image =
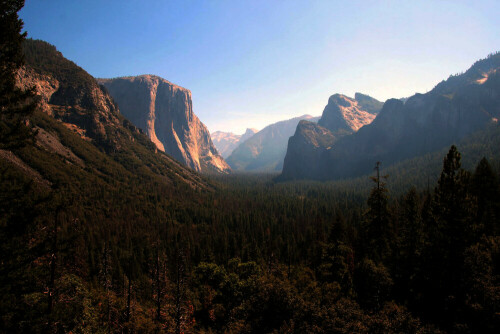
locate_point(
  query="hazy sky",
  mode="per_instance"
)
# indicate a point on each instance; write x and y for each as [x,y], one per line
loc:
[252,63]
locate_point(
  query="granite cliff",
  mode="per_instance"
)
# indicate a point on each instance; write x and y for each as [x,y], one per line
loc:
[345,113]
[309,145]
[423,123]
[265,150]
[164,111]
[79,125]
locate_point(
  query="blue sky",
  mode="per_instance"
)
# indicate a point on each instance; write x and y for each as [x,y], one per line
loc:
[252,63]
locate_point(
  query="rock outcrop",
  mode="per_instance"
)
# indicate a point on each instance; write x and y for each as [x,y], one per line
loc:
[226,142]
[345,113]
[402,130]
[164,112]
[310,144]
[265,151]
[70,95]
[98,133]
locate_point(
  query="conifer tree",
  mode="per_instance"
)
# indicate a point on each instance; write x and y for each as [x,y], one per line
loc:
[15,105]
[378,218]
[411,243]
[452,209]
[452,202]
[486,190]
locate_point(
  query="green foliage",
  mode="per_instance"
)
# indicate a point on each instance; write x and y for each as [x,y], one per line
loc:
[15,105]
[482,282]
[373,283]
[45,59]
[485,187]
[377,224]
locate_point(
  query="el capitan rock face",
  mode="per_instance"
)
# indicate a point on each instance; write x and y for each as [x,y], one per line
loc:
[79,122]
[227,142]
[422,124]
[164,112]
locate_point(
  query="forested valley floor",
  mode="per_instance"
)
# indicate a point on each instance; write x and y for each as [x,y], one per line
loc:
[252,256]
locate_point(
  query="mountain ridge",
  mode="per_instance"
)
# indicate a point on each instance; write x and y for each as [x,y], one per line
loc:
[341,117]
[80,125]
[265,150]
[227,142]
[422,124]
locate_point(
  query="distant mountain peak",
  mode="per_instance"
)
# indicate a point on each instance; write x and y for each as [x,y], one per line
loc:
[368,103]
[227,142]
[266,149]
[343,112]
[403,129]
[250,131]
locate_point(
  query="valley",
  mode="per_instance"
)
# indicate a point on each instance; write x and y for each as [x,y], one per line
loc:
[121,213]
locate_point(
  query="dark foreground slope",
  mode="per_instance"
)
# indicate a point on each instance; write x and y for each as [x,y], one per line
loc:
[425,123]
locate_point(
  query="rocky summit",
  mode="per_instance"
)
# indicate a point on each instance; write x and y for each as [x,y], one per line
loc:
[402,130]
[311,142]
[349,114]
[164,111]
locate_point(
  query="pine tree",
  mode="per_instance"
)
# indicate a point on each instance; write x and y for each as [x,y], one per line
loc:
[378,218]
[486,190]
[18,202]
[452,203]
[338,257]
[453,213]
[411,239]
[15,105]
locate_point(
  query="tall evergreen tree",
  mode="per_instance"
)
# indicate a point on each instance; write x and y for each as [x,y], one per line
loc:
[486,190]
[411,240]
[452,210]
[17,199]
[377,222]
[15,105]
[453,203]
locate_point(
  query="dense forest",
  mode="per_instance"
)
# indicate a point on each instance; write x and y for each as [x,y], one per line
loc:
[114,248]
[254,257]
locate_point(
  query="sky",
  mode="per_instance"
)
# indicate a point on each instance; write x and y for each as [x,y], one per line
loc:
[252,63]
